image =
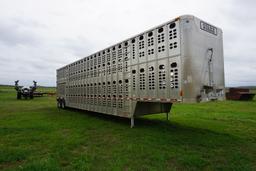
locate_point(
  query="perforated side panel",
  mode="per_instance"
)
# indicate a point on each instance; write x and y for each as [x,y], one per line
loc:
[173,38]
[141,41]
[145,67]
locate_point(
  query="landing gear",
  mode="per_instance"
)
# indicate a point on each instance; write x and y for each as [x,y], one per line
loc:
[132,122]
[167,116]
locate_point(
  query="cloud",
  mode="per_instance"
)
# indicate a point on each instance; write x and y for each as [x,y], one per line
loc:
[78,46]
[37,37]
[13,34]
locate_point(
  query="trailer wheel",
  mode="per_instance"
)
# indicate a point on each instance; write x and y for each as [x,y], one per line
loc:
[63,104]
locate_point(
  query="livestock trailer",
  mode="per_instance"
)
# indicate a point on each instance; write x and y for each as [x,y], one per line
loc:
[178,61]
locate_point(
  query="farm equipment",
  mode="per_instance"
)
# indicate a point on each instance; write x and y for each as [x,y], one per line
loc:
[25,92]
[239,94]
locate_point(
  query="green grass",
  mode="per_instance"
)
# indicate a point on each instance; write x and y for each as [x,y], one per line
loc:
[35,135]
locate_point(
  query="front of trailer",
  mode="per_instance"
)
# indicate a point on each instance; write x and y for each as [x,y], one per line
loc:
[157,75]
[202,60]
[192,70]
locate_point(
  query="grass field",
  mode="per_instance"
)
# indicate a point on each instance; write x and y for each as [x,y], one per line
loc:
[35,135]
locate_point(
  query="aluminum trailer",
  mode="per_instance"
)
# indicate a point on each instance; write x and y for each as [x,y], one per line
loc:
[178,61]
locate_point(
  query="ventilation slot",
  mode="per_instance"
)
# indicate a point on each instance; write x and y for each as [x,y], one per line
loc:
[134,79]
[120,87]
[104,100]
[151,78]
[150,39]
[99,59]
[99,89]
[160,38]
[114,101]
[95,93]
[113,67]
[114,87]
[150,51]
[109,101]
[126,88]
[108,68]
[109,88]
[174,76]
[161,48]
[133,48]
[173,31]
[120,55]
[141,45]
[126,59]
[99,100]
[173,45]
[103,69]
[95,99]
[103,88]
[142,79]
[108,55]
[141,54]
[120,101]
[162,77]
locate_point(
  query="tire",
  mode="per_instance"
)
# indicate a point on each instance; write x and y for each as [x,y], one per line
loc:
[63,104]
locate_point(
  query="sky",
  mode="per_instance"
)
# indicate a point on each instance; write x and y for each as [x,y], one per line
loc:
[37,37]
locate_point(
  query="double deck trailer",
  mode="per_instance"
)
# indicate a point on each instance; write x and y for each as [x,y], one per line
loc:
[176,62]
